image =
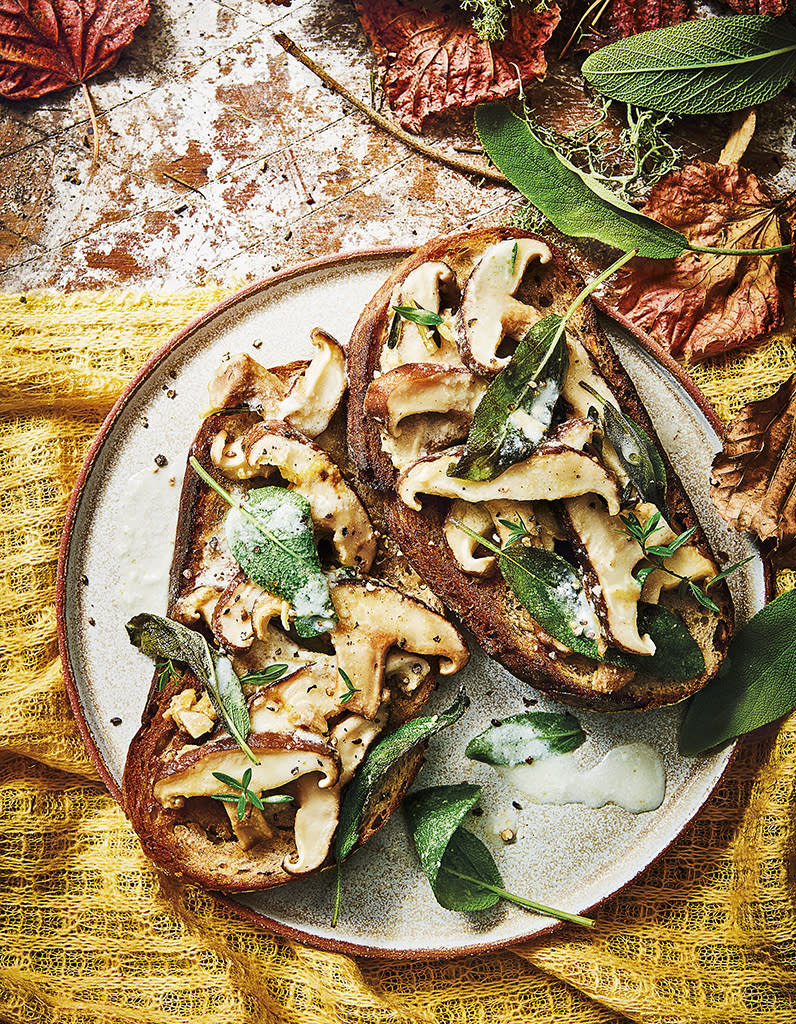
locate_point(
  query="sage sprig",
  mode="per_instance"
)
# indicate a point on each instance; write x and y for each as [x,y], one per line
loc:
[576,202]
[159,637]
[460,869]
[707,66]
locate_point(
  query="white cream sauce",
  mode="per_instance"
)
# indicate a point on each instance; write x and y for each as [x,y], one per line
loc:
[631,776]
[140,549]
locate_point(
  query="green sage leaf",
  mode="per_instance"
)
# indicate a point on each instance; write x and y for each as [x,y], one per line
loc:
[272,540]
[707,66]
[418,315]
[531,734]
[517,408]
[575,202]
[159,637]
[264,677]
[434,815]
[756,684]
[379,761]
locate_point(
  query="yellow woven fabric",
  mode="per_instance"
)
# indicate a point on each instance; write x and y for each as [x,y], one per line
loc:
[89,931]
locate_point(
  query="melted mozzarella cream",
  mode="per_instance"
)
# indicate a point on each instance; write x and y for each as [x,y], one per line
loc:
[631,776]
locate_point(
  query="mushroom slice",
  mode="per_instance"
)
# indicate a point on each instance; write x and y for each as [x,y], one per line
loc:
[308,696]
[521,513]
[241,380]
[335,508]
[243,611]
[608,556]
[489,312]
[231,459]
[282,757]
[429,286]
[462,545]
[406,671]
[314,397]
[319,809]
[250,830]
[198,603]
[553,471]
[417,388]
[373,617]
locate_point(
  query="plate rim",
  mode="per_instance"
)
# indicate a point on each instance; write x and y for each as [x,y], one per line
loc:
[199,322]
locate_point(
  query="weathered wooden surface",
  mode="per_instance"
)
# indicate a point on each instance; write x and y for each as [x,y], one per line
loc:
[272,168]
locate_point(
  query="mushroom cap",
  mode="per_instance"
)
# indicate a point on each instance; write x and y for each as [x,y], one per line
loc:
[416,388]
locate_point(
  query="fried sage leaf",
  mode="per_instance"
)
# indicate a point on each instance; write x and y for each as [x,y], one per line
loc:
[379,761]
[755,686]
[638,455]
[271,538]
[707,66]
[531,734]
[159,637]
[753,480]
[517,408]
[575,202]
[460,869]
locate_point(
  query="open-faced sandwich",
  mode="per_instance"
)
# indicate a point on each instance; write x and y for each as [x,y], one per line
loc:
[522,477]
[294,640]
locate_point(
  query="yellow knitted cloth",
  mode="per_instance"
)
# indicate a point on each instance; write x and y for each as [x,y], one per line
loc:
[89,931]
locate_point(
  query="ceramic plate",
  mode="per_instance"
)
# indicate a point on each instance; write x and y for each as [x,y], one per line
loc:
[115,561]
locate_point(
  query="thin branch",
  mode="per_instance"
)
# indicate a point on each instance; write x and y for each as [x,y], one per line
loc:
[92,113]
[456,163]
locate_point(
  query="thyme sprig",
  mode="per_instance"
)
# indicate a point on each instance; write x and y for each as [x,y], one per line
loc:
[349,693]
[245,795]
[658,553]
[167,670]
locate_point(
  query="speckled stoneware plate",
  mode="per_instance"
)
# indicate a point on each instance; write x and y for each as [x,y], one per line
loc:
[115,561]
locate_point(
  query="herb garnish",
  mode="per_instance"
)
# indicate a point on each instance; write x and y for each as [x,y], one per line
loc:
[516,409]
[264,677]
[657,553]
[426,320]
[460,869]
[159,637]
[574,201]
[166,672]
[756,684]
[349,693]
[707,66]
[246,795]
[271,538]
[527,737]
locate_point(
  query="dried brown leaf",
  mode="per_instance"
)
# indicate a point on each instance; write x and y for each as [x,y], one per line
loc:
[47,45]
[596,27]
[701,304]
[753,480]
[770,7]
[436,62]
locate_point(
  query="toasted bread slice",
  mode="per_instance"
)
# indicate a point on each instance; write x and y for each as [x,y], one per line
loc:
[411,399]
[307,733]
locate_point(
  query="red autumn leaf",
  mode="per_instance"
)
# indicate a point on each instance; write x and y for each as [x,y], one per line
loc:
[435,61]
[46,45]
[700,304]
[753,480]
[772,7]
[595,28]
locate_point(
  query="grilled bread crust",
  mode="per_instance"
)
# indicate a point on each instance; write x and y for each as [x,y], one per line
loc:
[196,841]
[487,607]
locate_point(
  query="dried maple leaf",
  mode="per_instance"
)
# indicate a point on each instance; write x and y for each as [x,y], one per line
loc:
[753,480]
[700,304]
[435,61]
[46,45]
